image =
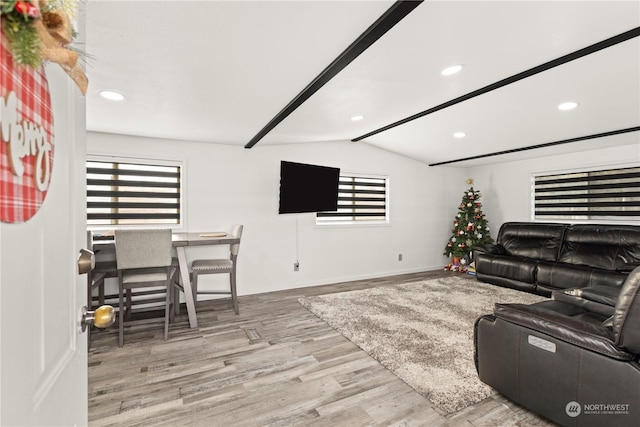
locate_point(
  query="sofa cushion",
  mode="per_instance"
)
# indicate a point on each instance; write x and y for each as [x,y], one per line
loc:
[507,283]
[575,297]
[559,275]
[508,267]
[609,247]
[607,295]
[541,241]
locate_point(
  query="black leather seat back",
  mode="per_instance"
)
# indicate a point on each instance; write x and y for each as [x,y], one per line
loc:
[626,319]
[541,241]
[607,247]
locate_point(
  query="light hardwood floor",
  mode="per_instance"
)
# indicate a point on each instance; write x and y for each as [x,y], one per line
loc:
[275,364]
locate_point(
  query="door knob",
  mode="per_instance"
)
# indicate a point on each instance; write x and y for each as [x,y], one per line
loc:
[103,317]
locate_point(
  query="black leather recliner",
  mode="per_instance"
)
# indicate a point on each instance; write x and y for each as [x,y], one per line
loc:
[564,362]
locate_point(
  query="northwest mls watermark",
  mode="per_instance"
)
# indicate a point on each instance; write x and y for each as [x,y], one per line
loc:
[573,409]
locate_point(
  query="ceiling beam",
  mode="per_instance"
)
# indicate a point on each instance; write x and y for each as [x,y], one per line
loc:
[545,145]
[635,32]
[391,17]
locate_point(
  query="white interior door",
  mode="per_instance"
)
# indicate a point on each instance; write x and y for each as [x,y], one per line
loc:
[43,357]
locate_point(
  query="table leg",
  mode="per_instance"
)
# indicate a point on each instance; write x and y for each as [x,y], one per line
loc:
[186,284]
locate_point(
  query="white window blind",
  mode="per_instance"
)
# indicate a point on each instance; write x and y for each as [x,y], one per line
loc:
[361,199]
[604,194]
[130,193]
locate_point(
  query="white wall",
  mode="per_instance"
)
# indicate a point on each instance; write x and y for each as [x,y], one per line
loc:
[228,184]
[506,187]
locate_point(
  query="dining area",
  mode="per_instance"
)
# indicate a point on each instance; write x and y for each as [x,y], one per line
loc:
[157,272]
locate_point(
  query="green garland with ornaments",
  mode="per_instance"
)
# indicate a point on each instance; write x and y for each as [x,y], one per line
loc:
[35,31]
[17,26]
[470,228]
[22,37]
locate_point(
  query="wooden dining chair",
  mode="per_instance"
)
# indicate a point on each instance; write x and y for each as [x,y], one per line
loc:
[105,267]
[219,266]
[144,261]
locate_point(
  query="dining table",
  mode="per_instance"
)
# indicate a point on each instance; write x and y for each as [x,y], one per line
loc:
[181,241]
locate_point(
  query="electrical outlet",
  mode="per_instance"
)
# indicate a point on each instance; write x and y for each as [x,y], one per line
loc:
[399,257]
[296,266]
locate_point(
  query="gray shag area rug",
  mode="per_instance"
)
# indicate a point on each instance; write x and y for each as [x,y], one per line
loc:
[420,331]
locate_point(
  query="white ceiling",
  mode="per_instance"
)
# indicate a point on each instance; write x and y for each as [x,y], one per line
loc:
[219,71]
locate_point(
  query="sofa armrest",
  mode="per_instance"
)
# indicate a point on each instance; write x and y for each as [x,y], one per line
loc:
[570,328]
[490,249]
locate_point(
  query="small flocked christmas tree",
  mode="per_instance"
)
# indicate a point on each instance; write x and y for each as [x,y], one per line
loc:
[470,228]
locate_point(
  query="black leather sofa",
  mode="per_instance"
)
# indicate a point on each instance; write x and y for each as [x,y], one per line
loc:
[563,361]
[587,263]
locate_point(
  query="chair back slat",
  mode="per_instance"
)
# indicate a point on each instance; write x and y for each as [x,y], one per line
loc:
[143,248]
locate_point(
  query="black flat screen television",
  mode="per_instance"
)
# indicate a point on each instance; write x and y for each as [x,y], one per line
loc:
[308,188]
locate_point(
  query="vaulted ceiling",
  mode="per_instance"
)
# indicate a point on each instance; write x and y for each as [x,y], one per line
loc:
[220,71]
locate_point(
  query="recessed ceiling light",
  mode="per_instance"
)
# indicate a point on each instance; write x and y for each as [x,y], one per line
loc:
[356,118]
[451,70]
[566,106]
[111,96]
[459,135]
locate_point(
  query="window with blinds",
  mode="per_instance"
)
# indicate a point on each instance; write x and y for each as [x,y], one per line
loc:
[128,193]
[361,199]
[604,194]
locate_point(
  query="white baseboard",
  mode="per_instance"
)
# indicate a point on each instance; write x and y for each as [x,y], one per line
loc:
[340,279]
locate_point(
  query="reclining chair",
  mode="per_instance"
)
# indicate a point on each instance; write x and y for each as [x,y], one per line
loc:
[573,366]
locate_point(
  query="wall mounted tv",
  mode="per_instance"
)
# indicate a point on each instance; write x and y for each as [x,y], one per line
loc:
[308,188]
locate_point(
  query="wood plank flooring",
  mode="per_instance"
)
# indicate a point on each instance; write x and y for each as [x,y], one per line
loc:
[275,364]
